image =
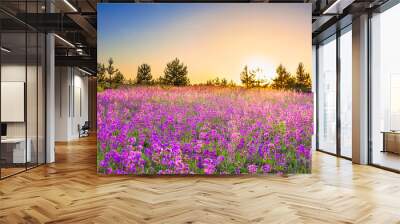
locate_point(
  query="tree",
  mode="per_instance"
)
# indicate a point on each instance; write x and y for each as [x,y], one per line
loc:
[111,70]
[303,79]
[224,82]
[248,77]
[118,79]
[101,73]
[101,77]
[232,84]
[283,79]
[130,82]
[176,73]
[217,82]
[159,81]
[108,76]
[143,75]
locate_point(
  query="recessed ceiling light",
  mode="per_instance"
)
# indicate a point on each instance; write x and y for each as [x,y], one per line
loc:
[64,40]
[337,7]
[5,50]
[70,5]
[86,72]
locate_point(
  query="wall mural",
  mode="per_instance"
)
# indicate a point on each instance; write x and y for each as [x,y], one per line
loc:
[209,89]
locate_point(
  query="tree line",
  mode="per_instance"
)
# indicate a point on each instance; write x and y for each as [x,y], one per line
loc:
[283,80]
[176,74]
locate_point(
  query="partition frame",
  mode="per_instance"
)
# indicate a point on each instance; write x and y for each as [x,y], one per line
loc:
[387,5]
[382,8]
[339,32]
[44,100]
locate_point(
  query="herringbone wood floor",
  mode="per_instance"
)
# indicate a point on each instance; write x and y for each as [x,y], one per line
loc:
[70,191]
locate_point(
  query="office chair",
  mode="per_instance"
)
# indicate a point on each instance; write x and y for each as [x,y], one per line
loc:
[84,130]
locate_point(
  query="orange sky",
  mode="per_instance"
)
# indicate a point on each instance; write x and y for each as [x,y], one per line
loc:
[213,40]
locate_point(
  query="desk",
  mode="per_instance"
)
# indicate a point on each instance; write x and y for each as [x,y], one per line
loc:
[391,141]
[16,147]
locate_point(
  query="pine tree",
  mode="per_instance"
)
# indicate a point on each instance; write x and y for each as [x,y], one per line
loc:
[176,73]
[283,79]
[217,82]
[143,75]
[224,82]
[303,79]
[101,73]
[111,70]
[118,79]
[247,77]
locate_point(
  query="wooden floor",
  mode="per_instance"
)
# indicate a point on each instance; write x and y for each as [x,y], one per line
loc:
[5,172]
[386,159]
[70,191]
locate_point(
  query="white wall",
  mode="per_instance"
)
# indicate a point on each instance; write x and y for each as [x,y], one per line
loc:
[16,73]
[80,103]
[13,72]
[71,94]
[34,126]
[62,82]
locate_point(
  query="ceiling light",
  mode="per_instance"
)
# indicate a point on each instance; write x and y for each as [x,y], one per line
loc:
[65,41]
[86,72]
[5,50]
[70,5]
[79,51]
[326,11]
[338,6]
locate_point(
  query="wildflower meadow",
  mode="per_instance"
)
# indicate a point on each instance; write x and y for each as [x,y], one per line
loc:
[150,130]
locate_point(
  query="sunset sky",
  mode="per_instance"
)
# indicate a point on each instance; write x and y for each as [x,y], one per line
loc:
[213,40]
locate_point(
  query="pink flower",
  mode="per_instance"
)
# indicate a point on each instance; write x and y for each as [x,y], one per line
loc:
[252,168]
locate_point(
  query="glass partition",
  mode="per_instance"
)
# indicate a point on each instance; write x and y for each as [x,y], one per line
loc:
[327,95]
[385,89]
[31,97]
[41,97]
[346,93]
[22,78]
[13,94]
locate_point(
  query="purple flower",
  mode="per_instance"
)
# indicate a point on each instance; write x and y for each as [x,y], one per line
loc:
[209,166]
[266,168]
[220,159]
[237,171]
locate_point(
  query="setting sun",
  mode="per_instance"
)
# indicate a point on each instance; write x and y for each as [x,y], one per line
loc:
[261,66]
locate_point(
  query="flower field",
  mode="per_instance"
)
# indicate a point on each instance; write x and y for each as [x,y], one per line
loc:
[203,130]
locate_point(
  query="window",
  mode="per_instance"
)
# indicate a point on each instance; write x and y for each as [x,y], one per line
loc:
[385,89]
[327,95]
[346,92]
